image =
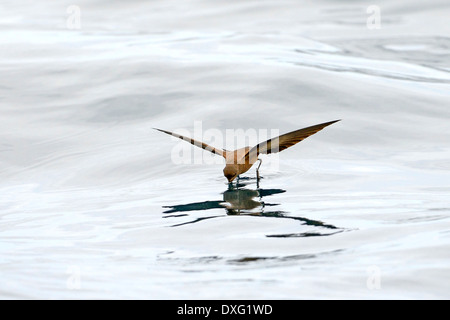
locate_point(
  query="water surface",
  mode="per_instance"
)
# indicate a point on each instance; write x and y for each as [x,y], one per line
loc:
[92,205]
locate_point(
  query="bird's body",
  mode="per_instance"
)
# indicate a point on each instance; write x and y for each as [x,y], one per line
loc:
[241,160]
[235,163]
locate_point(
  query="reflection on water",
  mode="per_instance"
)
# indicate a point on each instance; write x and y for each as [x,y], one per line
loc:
[81,170]
[240,200]
[236,200]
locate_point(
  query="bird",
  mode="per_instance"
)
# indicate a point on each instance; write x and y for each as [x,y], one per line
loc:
[241,160]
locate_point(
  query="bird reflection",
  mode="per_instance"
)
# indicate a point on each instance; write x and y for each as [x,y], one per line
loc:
[237,200]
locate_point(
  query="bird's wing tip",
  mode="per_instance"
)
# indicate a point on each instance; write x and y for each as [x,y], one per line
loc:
[334,121]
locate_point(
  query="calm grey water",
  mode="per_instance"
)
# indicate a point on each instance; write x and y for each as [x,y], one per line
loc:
[92,205]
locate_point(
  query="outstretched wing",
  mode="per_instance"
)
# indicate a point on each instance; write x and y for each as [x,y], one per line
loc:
[283,142]
[220,152]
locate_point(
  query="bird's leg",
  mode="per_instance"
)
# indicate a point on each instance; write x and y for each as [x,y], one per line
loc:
[237,181]
[257,173]
[257,169]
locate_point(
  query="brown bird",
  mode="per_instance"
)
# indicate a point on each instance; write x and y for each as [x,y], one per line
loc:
[241,160]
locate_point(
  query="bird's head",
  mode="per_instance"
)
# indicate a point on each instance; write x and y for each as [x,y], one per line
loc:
[230,172]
